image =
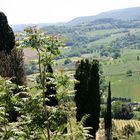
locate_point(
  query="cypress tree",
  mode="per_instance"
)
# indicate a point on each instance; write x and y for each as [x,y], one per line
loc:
[81,75]
[51,88]
[11,59]
[87,96]
[7,38]
[5,65]
[12,65]
[108,116]
[7,43]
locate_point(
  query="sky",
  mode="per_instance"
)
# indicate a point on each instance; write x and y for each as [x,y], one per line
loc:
[52,11]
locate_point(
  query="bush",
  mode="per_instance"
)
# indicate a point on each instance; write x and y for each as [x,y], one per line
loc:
[67,61]
[122,111]
[12,65]
[17,66]
[128,130]
[129,73]
[116,55]
[137,115]
[29,71]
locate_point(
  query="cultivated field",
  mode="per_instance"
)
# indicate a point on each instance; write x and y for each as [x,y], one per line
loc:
[120,124]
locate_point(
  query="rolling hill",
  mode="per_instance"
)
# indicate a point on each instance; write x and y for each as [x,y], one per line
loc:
[121,14]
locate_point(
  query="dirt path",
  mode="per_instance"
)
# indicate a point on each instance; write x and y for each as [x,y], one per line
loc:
[100,135]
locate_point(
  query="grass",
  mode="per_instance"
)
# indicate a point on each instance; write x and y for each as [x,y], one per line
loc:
[127,87]
[102,32]
[106,40]
[115,71]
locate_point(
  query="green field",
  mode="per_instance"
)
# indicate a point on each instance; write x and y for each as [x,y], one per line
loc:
[115,71]
[121,123]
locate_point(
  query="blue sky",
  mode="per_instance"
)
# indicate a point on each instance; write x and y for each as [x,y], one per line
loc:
[51,11]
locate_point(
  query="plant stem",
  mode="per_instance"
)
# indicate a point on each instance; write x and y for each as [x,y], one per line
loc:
[5,111]
[44,134]
[71,131]
[42,79]
[5,121]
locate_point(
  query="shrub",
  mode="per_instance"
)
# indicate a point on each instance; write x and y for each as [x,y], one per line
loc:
[67,61]
[129,73]
[128,130]
[12,65]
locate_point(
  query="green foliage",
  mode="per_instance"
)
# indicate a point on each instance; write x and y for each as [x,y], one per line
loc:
[12,65]
[5,70]
[129,73]
[7,38]
[102,111]
[108,116]
[31,68]
[138,58]
[36,120]
[136,115]
[116,108]
[58,120]
[128,130]
[122,111]
[17,66]
[65,93]
[136,136]
[67,61]
[28,70]
[106,36]
[47,47]
[87,94]
[11,106]
[31,120]
[116,55]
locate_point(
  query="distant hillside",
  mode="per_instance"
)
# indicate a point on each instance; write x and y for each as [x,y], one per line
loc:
[21,27]
[100,35]
[106,36]
[122,14]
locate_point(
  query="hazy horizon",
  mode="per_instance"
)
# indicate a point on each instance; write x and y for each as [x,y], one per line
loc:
[45,11]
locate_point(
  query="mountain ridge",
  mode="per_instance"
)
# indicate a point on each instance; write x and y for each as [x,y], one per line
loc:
[132,13]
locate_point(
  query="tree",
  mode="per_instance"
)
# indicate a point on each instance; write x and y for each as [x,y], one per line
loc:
[50,93]
[128,130]
[116,55]
[7,38]
[126,112]
[5,65]
[138,58]
[87,96]
[12,66]
[108,116]
[17,67]
[67,61]
[116,106]
[122,111]
[47,47]
[11,59]
[129,73]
